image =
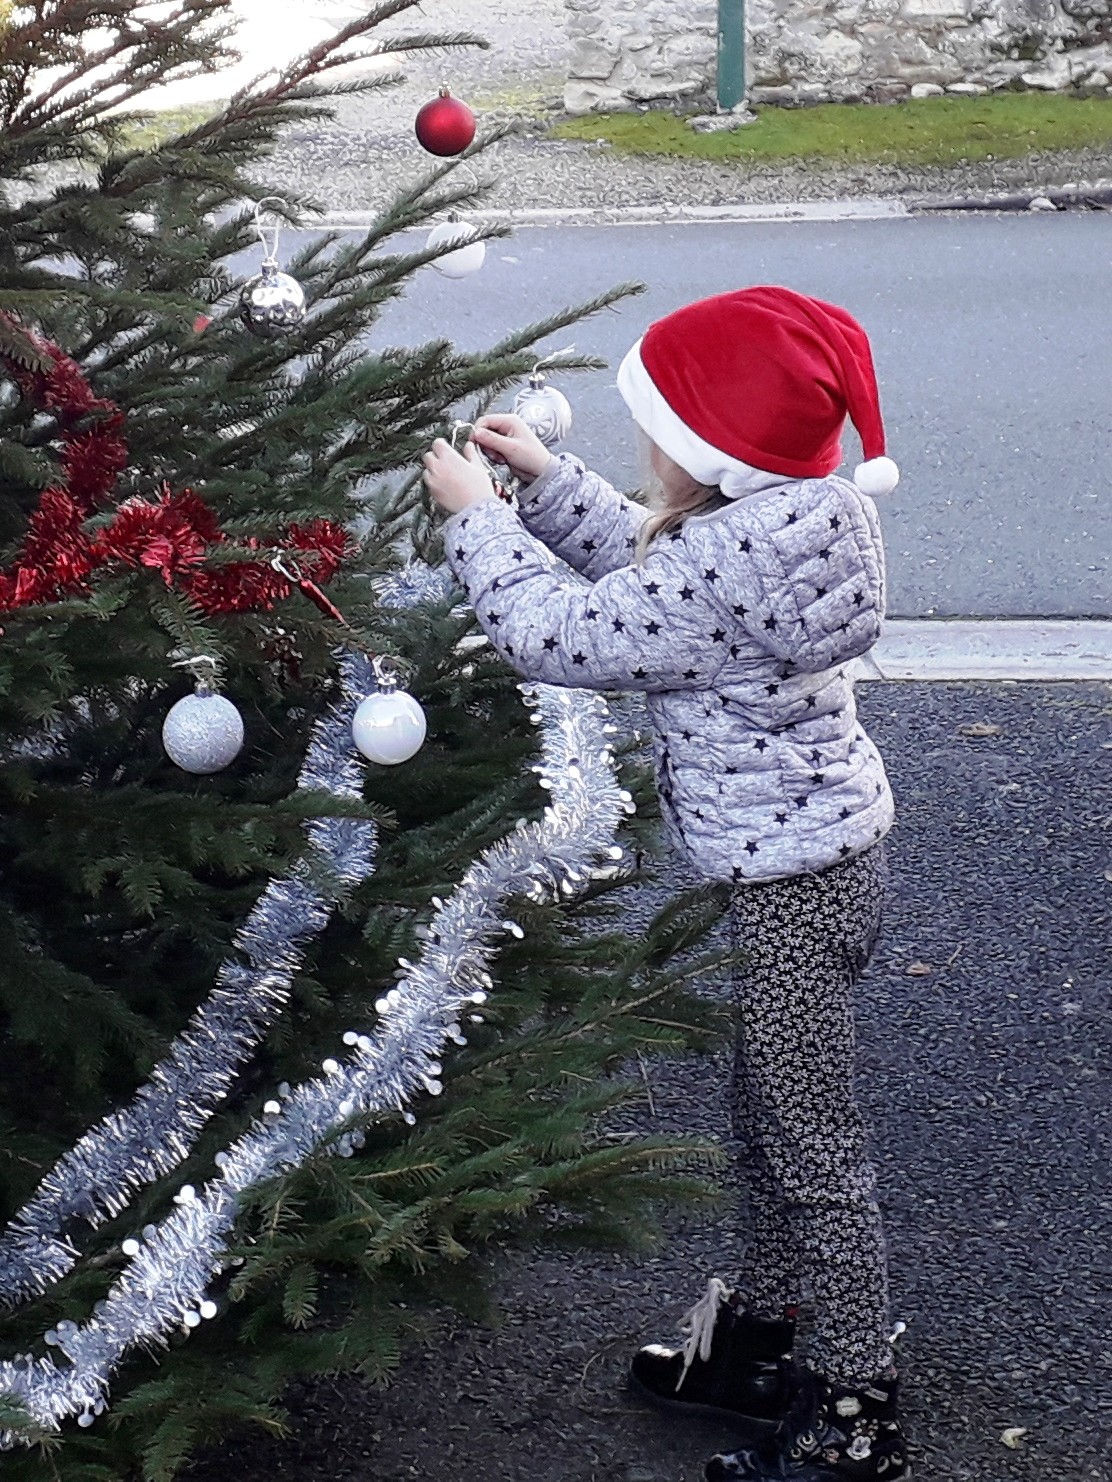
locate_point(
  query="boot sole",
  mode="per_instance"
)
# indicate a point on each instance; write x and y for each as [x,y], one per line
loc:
[755,1423]
[811,1474]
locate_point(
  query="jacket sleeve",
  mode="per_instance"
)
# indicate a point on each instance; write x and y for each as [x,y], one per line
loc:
[648,627]
[807,580]
[580,518]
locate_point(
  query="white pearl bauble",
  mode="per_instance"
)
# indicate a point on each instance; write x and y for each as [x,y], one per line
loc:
[469,255]
[202,733]
[389,727]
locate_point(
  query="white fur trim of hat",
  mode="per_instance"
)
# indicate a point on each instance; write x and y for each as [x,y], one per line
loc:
[702,460]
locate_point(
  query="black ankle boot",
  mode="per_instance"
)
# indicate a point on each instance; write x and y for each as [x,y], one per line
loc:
[831,1433]
[732,1364]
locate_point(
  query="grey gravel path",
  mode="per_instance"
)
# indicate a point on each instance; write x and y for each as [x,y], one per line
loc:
[986,1080]
[360,160]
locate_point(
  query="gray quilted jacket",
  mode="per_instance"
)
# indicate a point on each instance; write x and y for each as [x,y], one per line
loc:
[738,627]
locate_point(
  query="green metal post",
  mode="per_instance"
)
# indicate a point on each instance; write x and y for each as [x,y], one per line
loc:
[731,53]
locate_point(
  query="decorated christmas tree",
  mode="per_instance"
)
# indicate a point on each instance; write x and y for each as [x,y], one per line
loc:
[296,1011]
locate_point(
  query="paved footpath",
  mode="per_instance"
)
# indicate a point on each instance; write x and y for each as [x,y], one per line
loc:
[987,1082]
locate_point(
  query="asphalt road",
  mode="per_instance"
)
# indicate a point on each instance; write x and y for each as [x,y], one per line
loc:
[992,338]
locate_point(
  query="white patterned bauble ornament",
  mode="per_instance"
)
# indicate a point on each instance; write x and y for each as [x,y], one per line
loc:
[389,727]
[203,732]
[469,255]
[543,409]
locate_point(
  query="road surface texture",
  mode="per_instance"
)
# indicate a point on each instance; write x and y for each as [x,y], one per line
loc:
[986,1081]
[991,336]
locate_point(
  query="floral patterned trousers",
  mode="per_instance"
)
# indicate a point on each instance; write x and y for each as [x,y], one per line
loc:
[804,1163]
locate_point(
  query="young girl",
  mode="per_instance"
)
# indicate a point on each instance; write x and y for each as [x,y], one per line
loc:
[737,607]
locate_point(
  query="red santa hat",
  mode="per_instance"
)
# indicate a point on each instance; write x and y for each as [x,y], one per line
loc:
[762,378]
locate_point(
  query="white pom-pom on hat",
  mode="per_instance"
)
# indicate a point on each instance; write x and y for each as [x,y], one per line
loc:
[876,476]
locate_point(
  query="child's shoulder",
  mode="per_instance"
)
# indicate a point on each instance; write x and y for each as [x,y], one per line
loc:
[768,512]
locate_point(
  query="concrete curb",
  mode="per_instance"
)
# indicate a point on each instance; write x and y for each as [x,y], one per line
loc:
[991,649]
[864,209]
[1063,197]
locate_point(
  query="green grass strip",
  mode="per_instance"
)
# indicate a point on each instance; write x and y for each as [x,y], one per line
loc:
[927,131]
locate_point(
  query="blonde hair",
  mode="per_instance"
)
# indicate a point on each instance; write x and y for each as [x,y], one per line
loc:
[673,509]
[673,500]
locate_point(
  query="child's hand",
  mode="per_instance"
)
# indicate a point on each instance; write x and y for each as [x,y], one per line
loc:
[456,481]
[513,442]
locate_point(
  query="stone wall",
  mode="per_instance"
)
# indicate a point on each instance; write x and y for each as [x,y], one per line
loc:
[637,53]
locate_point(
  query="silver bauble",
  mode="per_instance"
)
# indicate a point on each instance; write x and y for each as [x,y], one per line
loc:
[388,727]
[544,409]
[203,732]
[273,304]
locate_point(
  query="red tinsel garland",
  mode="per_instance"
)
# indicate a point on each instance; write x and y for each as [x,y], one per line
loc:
[173,536]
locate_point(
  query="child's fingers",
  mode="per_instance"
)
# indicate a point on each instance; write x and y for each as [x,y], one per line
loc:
[490,435]
[501,424]
[494,443]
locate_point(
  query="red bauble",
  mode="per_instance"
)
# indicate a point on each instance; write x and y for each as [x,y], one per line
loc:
[445,126]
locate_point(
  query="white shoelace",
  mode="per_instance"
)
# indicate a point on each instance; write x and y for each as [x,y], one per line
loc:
[698,1323]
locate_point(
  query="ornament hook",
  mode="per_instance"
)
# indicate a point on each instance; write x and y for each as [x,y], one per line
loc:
[551,358]
[203,668]
[268,221]
[292,573]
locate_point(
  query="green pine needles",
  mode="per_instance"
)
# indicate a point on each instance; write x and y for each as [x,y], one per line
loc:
[123,880]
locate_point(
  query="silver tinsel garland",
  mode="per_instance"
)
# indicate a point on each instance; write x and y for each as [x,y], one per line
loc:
[98,1178]
[169,1269]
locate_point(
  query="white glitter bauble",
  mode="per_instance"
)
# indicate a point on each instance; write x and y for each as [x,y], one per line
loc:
[389,727]
[203,733]
[546,411]
[469,255]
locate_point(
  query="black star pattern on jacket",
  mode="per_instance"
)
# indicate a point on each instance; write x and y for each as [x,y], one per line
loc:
[705,590]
